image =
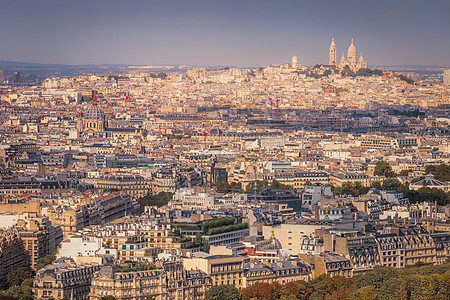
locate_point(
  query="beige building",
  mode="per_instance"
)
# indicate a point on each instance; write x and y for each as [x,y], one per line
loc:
[170,281]
[75,215]
[40,237]
[133,185]
[291,235]
[328,263]
[418,244]
[223,269]
[281,272]
[19,206]
[337,179]
[94,120]
[64,279]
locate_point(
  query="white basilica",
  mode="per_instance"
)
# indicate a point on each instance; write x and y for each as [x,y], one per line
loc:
[352,58]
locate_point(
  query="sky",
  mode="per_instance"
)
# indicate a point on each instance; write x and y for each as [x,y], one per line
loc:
[223,33]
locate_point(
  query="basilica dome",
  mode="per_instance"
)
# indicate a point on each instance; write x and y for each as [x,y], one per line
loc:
[351,54]
[94,113]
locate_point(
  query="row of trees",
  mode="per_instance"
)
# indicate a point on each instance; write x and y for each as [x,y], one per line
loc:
[158,200]
[227,228]
[226,187]
[416,282]
[217,223]
[262,184]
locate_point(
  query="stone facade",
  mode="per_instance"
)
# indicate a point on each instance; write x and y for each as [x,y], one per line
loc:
[64,279]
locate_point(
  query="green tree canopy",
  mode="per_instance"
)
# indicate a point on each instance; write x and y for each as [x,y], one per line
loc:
[441,172]
[222,292]
[44,261]
[158,200]
[279,186]
[391,184]
[17,276]
[351,188]
[369,72]
[366,293]
[109,297]
[260,184]
[376,185]
[346,71]
[383,168]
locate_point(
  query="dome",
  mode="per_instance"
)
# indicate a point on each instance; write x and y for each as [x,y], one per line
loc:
[361,59]
[351,54]
[352,49]
[94,113]
[343,61]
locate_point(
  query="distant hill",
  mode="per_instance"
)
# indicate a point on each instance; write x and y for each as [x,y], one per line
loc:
[412,67]
[17,64]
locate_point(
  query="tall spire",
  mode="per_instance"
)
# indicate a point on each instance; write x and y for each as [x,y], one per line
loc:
[332,54]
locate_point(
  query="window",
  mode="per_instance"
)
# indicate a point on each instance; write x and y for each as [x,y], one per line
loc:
[124,247]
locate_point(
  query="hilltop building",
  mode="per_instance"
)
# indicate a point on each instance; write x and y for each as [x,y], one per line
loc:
[351,61]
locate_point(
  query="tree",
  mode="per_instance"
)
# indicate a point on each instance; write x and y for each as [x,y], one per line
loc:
[351,188]
[369,72]
[299,289]
[259,186]
[158,200]
[346,71]
[276,185]
[405,172]
[44,261]
[383,168]
[327,73]
[441,172]
[222,292]
[7,297]
[406,79]
[18,293]
[391,184]
[376,185]
[366,293]
[17,276]
[109,297]
[260,290]
[326,287]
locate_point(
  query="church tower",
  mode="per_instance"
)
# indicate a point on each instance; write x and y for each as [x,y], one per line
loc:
[294,62]
[332,60]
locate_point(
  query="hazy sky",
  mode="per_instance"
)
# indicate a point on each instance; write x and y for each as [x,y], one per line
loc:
[240,33]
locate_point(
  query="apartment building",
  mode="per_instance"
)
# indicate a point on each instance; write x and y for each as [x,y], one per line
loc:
[40,237]
[282,272]
[223,269]
[64,279]
[133,185]
[170,281]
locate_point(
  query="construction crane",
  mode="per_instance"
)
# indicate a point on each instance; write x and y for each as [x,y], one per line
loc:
[278,116]
[204,132]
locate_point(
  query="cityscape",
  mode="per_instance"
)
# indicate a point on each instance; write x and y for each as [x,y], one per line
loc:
[237,173]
